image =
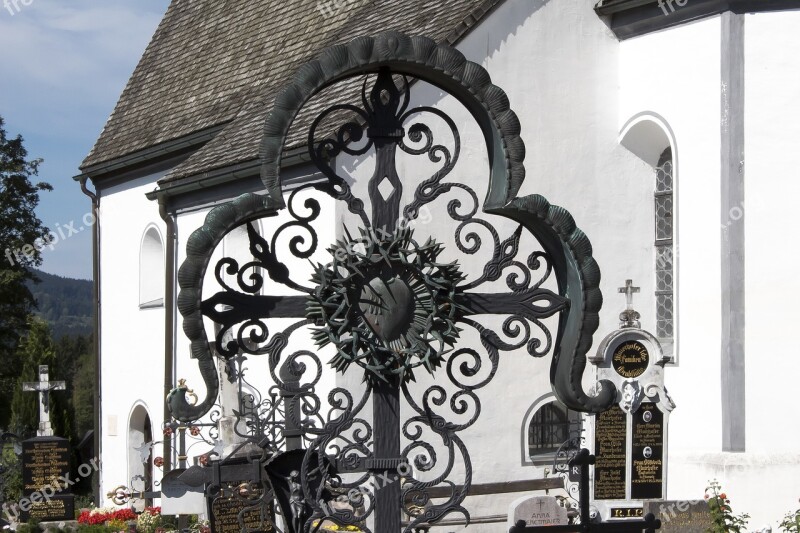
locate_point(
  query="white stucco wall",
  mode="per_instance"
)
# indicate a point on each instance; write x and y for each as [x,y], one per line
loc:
[132,341]
[772,129]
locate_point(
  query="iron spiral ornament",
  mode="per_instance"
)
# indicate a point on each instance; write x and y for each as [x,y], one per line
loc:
[384,301]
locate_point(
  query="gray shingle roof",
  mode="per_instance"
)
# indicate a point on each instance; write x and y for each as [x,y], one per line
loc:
[213,62]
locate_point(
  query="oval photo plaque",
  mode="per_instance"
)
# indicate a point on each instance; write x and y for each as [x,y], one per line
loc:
[630,359]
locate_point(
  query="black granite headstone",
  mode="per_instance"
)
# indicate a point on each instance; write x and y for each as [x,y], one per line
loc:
[48,509]
[611,437]
[647,472]
[45,475]
[225,512]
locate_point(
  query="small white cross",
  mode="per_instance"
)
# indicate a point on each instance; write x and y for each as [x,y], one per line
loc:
[629,290]
[43,387]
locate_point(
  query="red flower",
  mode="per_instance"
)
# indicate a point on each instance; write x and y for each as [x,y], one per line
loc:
[194,430]
[158,461]
[723,496]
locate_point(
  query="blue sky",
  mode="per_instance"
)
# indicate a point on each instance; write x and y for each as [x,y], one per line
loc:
[64,64]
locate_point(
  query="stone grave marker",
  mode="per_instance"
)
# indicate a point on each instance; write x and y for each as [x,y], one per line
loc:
[631,438]
[682,516]
[537,511]
[46,463]
[179,498]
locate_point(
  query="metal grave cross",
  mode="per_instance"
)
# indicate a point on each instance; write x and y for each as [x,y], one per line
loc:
[584,460]
[387,302]
[43,387]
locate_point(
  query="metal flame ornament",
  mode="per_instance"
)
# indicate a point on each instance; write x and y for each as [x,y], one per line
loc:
[389,308]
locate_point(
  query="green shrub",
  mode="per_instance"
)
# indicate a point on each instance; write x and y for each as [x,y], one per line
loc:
[791,522]
[722,517]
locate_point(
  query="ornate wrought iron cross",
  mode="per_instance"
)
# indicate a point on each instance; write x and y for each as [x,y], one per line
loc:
[385,300]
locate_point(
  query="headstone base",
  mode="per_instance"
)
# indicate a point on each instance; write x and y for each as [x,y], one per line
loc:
[64,525]
[684,516]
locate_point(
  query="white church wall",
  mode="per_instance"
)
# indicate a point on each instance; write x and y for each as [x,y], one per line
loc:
[772,190]
[675,75]
[772,130]
[132,343]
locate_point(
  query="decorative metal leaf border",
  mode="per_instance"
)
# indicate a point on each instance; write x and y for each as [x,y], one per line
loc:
[577,273]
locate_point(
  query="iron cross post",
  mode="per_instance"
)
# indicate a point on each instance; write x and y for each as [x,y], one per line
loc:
[43,387]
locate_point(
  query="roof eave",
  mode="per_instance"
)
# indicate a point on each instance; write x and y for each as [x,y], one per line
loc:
[151,153]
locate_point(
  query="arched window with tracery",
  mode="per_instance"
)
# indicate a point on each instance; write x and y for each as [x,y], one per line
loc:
[664,227]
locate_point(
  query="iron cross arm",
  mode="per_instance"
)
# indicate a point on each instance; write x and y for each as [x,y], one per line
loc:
[229,307]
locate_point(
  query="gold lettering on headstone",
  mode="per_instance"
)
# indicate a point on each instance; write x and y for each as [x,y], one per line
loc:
[611,431]
[630,359]
[44,463]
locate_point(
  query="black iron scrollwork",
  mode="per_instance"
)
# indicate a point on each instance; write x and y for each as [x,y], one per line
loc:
[387,301]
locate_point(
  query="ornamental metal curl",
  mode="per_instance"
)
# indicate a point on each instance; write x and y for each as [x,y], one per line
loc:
[385,300]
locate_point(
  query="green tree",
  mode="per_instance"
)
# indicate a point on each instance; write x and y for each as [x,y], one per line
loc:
[35,349]
[21,237]
[83,391]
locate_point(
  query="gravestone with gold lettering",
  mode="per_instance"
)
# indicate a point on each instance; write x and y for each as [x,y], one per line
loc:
[47,496]
[630,439]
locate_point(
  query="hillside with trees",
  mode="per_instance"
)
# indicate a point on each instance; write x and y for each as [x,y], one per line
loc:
[64,303]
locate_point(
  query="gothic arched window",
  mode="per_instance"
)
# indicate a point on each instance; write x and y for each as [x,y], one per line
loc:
[664,247]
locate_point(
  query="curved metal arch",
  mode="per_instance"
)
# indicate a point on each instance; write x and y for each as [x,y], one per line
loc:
[577,273]
[418,56]
[199,249]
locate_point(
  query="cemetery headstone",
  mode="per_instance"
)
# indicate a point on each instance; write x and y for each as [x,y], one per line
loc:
[647,453]
[630,439]
[537,511]
[45,468]
[610,437]
[178,497]
[225,511]
[47,496]
[238,498]
[681,516]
